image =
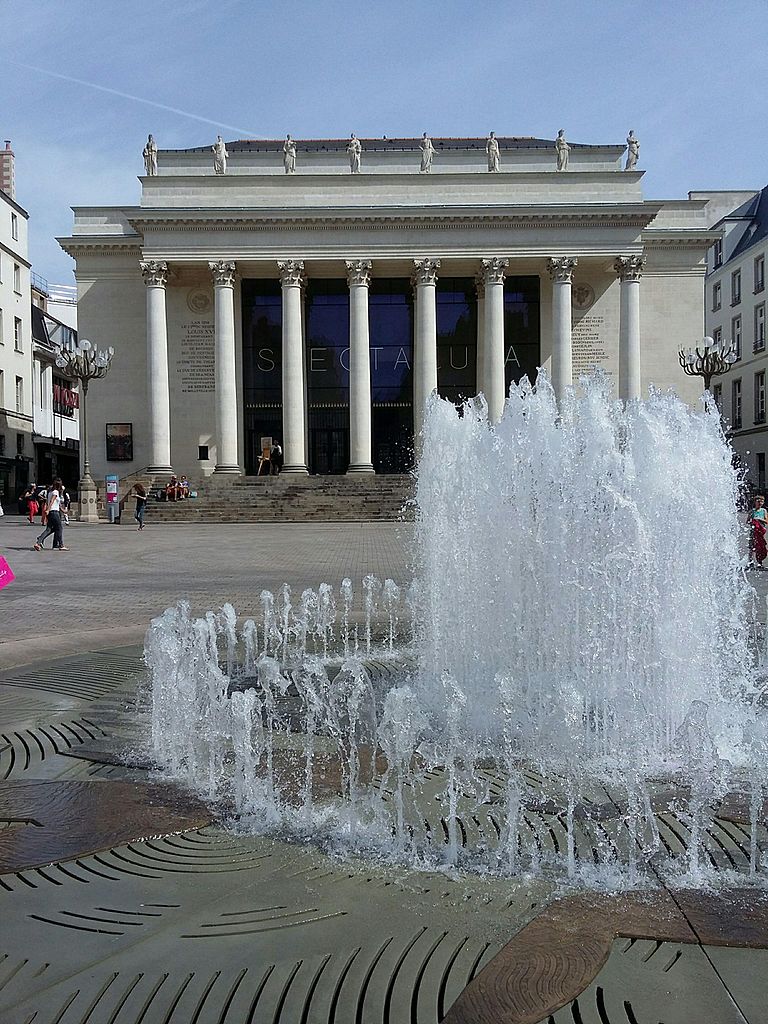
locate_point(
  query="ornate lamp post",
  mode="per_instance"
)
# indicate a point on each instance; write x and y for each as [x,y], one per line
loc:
[712,359]
[85,363]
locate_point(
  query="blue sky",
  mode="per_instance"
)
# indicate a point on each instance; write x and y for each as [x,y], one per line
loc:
[689,77]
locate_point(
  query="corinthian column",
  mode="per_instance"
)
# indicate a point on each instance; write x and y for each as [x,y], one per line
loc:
[294,450]
[493,336]
[561,271]
[155,274]
[223,272]
[425,347]
[629,270]
[359,279]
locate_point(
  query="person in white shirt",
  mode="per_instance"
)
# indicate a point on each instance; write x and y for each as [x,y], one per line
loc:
[54,525]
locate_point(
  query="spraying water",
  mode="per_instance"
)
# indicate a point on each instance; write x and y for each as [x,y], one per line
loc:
[576,652]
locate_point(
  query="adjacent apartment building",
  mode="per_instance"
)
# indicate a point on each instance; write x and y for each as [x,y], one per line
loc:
[16,447]
[736,312]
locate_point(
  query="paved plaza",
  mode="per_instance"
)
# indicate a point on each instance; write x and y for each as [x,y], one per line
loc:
[125,900]
[113,580]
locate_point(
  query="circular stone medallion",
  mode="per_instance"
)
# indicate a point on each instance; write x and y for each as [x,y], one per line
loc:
[199,300]
[583,296]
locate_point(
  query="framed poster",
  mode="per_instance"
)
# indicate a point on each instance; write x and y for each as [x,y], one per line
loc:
[119,442]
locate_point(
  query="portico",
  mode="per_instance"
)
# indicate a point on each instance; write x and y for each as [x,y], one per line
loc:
[323,310]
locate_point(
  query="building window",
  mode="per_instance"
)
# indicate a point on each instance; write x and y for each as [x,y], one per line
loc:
[760,327]
[2,339]
[759,273]
[19,444]
[717,336]
[717,253]
[20,395]
[65,398]
[717,296]
[17,278]
[736,404]
[736,335]
[14,227]
[2,444]
[717,394]
[760,397]
[202,452]
[735,287]
[761,471]
[2,390]
[17,334]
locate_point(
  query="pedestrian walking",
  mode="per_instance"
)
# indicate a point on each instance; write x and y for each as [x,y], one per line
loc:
[41,497]
[53,522]
[29,500]
[141,504]
[275,459]
[757,520]
[66,504]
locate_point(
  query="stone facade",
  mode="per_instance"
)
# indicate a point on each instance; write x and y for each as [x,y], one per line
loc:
[437,280]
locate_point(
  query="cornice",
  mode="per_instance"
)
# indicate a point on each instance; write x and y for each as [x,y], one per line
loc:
[104,245]
[14,255]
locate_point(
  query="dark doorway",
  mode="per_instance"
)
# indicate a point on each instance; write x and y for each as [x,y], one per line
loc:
[262,367]
[328,440]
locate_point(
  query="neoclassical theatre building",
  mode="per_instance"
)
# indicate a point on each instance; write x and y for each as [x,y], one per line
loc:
[317,292]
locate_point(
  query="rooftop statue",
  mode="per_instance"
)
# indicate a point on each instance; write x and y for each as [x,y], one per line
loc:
[492,149]
[289,158]
[633,151]
[562,149]
[355,153]
[220,155]
[150,157]
[427,154]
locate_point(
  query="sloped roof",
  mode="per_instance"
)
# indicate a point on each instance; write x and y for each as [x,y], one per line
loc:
[756,210]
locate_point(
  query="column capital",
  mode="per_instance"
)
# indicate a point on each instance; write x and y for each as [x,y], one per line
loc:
[629,268]
[493,270]
[425,271]
[561,268]
[223,272]
[291,272]
[154,272]
[358,272]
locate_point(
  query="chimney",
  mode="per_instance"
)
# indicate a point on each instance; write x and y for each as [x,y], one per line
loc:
[8,170]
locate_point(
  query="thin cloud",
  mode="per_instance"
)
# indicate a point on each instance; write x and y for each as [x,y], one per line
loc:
[137,99]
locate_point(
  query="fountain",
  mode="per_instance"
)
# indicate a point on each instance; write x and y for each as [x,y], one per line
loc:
[569,685]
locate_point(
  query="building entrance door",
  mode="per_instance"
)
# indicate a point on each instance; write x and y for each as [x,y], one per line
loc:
[328,441]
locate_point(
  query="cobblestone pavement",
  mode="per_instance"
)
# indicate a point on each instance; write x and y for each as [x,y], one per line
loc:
[113,580]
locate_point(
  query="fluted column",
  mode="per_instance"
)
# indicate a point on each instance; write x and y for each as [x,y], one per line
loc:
[359,279]
[493,336]
[629,270]
[223,272]
[294,449]
[425,341]
[480,293]
[561,271]
[155,273]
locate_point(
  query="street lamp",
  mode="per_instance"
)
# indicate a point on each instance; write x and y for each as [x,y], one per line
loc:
[85,362]
[709,361]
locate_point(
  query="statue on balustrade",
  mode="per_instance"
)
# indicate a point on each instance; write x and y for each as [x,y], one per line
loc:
[355,151]
[492,149]
[562,149]
[150,157]
[289,158]
[633,151]
[220,156]
[427,154]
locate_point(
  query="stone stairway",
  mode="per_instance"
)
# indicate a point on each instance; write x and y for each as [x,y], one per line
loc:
[290,499]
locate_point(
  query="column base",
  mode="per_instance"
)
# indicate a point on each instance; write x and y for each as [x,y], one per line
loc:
[89,512]
[160,469]
[227,469]
[296,470]
[361,467]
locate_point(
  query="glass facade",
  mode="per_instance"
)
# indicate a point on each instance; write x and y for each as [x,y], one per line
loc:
[390,305]
[262,366]
[456,338]
[327,362]
[522,335]
[391,319]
